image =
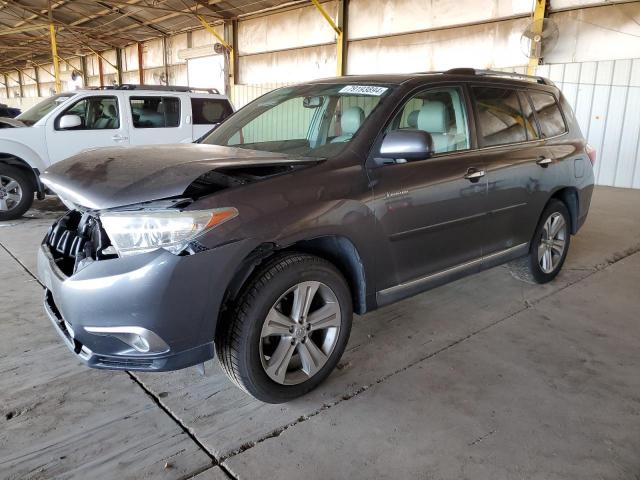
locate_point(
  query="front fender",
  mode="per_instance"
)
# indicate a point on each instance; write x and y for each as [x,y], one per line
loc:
[22,152]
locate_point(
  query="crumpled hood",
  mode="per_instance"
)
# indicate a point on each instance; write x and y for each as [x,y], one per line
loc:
[113,177]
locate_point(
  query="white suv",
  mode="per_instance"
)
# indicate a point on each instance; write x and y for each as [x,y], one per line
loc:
[68,123]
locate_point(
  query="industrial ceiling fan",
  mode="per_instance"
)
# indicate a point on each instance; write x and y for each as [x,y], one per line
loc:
[539,38]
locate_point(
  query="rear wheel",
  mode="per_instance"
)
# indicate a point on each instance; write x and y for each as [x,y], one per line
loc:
[16,192]
[549,246]
[288,329]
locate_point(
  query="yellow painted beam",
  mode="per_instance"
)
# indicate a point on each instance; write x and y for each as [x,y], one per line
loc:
[213,32]
[326,16]
[539,10]
[54,54]
[339,36]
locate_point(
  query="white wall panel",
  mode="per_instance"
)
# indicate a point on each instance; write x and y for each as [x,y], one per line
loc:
[152,54]
[564,4]
[289,66]
[605,97]
[299,27]
[601,33]
[370,18]
[482,46]
[203,37]
[174,45]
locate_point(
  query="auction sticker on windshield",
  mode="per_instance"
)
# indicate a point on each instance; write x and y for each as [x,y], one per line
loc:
[364,90]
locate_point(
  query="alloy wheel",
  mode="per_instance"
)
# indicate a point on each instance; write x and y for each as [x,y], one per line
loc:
[300,332]
[552,243]
[10,193]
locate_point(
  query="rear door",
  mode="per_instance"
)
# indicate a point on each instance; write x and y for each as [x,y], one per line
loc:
[159,118]
[102,125]
[431,211]
[518,165]
[207,112]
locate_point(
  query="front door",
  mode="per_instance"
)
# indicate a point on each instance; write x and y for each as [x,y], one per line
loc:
[101,125]
[431,211]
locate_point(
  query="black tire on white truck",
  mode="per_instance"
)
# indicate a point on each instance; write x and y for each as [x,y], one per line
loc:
[16,192]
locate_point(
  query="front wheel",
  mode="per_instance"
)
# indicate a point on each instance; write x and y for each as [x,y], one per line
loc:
[16,192]
[549,246]
[288,328]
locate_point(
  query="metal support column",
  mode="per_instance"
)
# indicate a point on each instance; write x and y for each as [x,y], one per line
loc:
[340,39]
[6,84]
[235,68]
[230,57]
[539,12]
[54,51]
[140,66]
[20,84]
[101,70]
[119,65]
[229,49]
[165,60]
[85,75]
[36,78]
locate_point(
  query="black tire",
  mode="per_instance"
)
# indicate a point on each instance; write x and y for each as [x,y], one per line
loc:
[26,186]
[529,268]
[239,337]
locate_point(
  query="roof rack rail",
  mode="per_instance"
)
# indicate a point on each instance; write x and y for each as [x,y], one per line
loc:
[166,88]
[162,88]
[497,73]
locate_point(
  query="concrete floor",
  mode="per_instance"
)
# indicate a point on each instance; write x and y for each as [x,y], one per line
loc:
[488,377]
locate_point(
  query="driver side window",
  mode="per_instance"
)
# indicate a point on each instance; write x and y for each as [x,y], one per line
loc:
[96,113]
[440,112]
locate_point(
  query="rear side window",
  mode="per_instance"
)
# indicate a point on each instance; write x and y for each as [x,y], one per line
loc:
[500,119]
[207,111]
[155,112]
[548,113]
[529,118]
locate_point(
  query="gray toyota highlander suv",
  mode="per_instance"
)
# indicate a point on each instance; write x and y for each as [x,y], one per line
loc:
[312,202]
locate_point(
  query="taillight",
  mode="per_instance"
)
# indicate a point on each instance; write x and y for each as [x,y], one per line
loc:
[591,153]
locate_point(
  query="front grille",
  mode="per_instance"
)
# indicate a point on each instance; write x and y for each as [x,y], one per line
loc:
[76,240]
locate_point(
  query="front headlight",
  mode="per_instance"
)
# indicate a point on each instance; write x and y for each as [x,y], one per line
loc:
[133,232]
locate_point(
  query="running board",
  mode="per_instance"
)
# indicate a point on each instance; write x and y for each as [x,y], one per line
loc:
[413,287]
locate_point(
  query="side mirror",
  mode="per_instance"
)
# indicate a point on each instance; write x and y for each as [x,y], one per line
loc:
[399,146]
[69,121]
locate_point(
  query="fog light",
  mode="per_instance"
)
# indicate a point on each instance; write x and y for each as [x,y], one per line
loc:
[138,338]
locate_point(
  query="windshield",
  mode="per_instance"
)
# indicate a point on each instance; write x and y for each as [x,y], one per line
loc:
[39,110]
[306,120]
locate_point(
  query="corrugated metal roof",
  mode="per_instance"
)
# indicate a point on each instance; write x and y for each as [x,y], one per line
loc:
[86,25]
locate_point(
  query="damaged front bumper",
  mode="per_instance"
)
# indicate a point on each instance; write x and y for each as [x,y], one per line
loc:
[153,312]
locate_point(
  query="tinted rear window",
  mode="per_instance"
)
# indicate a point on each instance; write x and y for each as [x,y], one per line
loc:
[207,111]
[155,112]
[500,119]
[549,115]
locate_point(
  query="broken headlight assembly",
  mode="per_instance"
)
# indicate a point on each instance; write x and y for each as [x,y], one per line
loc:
[141,231]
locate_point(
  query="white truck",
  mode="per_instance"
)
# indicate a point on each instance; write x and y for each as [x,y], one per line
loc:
[68,123]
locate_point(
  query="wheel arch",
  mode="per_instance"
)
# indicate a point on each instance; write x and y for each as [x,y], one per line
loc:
[569,196]
[33,173]
[338,250]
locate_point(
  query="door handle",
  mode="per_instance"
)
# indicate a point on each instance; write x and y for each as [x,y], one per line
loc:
[544,162]
[119,138]
[474,175]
